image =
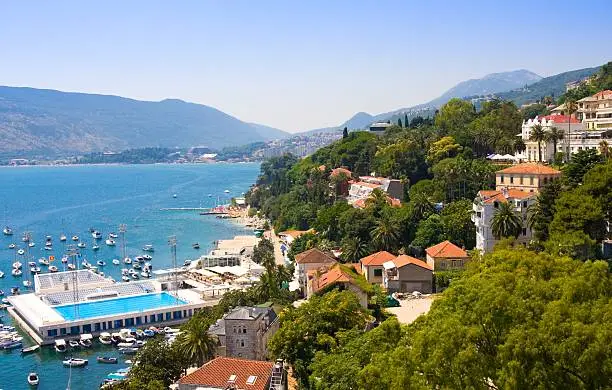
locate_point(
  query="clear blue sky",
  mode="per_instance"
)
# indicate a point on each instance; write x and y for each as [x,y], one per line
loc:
[289,64]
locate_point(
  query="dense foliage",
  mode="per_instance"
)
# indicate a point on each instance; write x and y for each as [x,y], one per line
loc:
[132,156]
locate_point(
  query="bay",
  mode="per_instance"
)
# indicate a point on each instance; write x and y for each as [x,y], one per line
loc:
[71,199]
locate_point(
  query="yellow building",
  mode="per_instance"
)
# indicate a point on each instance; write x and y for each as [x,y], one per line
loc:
[596,111]
[528,177]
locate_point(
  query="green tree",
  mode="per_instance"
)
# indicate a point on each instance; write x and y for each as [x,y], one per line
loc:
[399,122]
[578,212]
[385,236]
[445,147]
[313,327]
[158,362]
[506,222]
[605,150]
[541,213]
[405,120]
[582,162]
[353,249]
[429,232]
[195,344]
[454,117]
[554,135]
[457,222]
[538,135]
[345,132]
[597,183]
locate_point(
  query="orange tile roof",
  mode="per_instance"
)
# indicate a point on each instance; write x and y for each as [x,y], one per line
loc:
[490,196]
[560,118]
[364,184]
[293,233]
[403,260]
[603,94]
[217,372]
[377,258]
[337,171]
[333,275]
[313,256]
[446,249]
[361,203]
[531,168]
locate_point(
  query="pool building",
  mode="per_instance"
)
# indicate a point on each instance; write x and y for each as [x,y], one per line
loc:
[68,304]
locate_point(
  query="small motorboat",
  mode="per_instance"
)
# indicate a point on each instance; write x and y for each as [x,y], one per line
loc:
[96,235]
[74,343]
[31,349]
[195,245]
[1,276]
[137,266]
[33,379]
[7,231]
[81,245]
[53,268]
[148,333]
[186,263]
[31,264]
[86,340]
[48,237]
[139,259]
[71,267]
[110,242]
[75,238]
[112,235]
[148,248]
[12,246]
[27,284]
[64,259]
[43,261]
[145,274]
[95,248]
[48,248]
[31,244]
[174,196]
[11,344]
[125,278]
[20,252]
[128,350]
[63,238]
[16,272]
[135,276]
[25,238]
[105,338]
[147,257]
[127,260]
[116,262]
[107,360]
[60,346]
[101,263]
[14,291]
[124,271]
[116,338]
[35,270]
[48,243]
[75,362]
[85,264]
[17,265]
[227,191]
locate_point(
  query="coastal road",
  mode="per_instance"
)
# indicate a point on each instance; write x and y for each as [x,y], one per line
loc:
[278,254]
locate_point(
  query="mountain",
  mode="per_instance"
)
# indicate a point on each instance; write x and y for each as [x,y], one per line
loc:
[50,122]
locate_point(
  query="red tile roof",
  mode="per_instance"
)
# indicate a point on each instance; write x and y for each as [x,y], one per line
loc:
[217,372]
[603,94]
[377,258]
[531,168]
[446,249]
[313,256]
[294,233]
[335,274]
[490,196]
[560,118]
[403,260]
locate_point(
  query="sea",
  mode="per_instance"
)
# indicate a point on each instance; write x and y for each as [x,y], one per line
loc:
[71,200]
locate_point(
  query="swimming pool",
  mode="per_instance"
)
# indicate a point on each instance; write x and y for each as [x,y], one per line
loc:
[109,307]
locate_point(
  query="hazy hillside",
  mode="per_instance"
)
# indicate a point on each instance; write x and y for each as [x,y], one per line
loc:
[52,122]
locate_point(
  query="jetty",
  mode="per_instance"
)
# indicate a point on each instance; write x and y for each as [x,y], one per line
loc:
[185,209]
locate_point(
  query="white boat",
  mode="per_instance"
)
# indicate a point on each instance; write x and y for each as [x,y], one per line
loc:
[25,238]
[101,263]
[7,231]
[112,235]
[71,267]
[95,247]
[110,242]
[63,237]
[31,244]
[35,270]
[174,196]
[135,276]
[81,245]
[33,379]
[96,235]
[12,246]
[116,262]
[124,271]
[53,268]
[125,278]
[127,260]
[48,243]
[136,266]
[145,274]
[16,265]
[86,340]
[227,191]
[187,262]
[64,259]
[85,264]
[31,264]
[43,261]
[75,238]
[1,274]
[148,248]
[21,252]
[75,362]
[48,238]
[74,343]
[60,345]
[147,257]
[16,272]
[105,338]
[27,284]
[48,248]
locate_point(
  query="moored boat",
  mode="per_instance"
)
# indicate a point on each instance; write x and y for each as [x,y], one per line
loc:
[110,242]
[96,235]
[112,235]
[101,263]
[107,360]
[20,252]
[95,248]
[11,344]
[33,379]
[148,248]
[105,338]
[81,245]
[31,349]
[16,272]
[12,246]
[74,343]
[63,237]
[60,345]
[75,238]
[75,362]
[116,261]
[7,231]
[128,351]
[53,268]
[86,340]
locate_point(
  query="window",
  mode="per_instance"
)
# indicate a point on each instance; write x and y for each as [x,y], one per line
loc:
[52,332]
[521,179]
[74,330]
[234,328]
[511,179]
[378,272]
[524,203]
[524,231]
[251,380]
[531,180]
[501,179]
[244,330]
[495,204]
[63,331]
[232,378]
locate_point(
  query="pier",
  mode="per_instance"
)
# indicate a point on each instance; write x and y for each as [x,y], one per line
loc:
[185,209]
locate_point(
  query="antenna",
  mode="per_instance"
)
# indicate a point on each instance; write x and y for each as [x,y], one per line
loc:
[172,243]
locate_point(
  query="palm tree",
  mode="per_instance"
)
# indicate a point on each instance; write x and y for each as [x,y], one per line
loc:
[604,149]
[519,145]
[538,135]
[570,108]
[386,234]
[195,343]
[353,248]
[554,135]
[506,222]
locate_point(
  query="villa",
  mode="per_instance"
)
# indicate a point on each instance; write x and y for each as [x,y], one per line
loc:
[337,276]
[310,260]
[446,256]
[528,177]
[407,274]
[372,266]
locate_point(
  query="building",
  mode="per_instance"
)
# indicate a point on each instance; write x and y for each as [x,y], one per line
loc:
[407,274]
[486,204]
[244,332]
[372,266]
[446,256]
[340,181]
[528,177]
[337,276]
[379,128]
[290,235]
[392,187]
[310,260]
[362,190]
[570,126]
[223,373]
[596,111]
[69,304]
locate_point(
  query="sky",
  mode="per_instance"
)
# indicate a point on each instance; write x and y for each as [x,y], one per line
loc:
[293,65]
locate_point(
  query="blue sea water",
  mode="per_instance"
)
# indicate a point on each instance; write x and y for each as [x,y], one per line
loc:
[72,199]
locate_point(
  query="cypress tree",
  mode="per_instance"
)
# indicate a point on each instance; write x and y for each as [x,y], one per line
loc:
[345,133]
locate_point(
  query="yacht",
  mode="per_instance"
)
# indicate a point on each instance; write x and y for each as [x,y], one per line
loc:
[25,238]
[81,245]
[105,338]
[112,235]
[125,278]
[73,343]
[110,242]
[1,274]
[139,259]
[53,268]
[31,264]
[135,276]
[48,238]
[33,379]
[16,272]
[124,271]
[31,349]
[85,264]
[35,270]
[48,248]
[63,237]
[145,274]
[75,238]
[227,191]
[60,345]
[7,231]
[148,248]
[96,235]
[116,262]
[75,362]
[21,252]
[17,265]
[12,246]
[137,266]
[186,263]
[147,257]
[64,259]
[195,245]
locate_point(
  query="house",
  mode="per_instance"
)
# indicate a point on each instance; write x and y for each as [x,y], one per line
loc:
[223,373]
[407,274]
[244,332]
[570,126]
[372,266]
[379,128]
[310,260]
[362,190]
[596,111]
[446,256]
[338,276]
[392,187]
[486,204]
[528,177]
[340,181]
[289,236]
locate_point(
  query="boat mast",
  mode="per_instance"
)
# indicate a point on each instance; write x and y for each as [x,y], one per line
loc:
[28,237]
[172,243]
[72,253]
[122,230]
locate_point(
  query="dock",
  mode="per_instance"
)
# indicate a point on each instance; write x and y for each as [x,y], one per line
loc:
[185,209]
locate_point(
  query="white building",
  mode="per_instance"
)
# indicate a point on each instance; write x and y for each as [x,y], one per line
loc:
[485,206]
[361,190]
[596,111]
[379,128]
[563,123]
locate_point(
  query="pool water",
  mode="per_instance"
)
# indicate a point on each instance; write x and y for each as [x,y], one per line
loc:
[109,307]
